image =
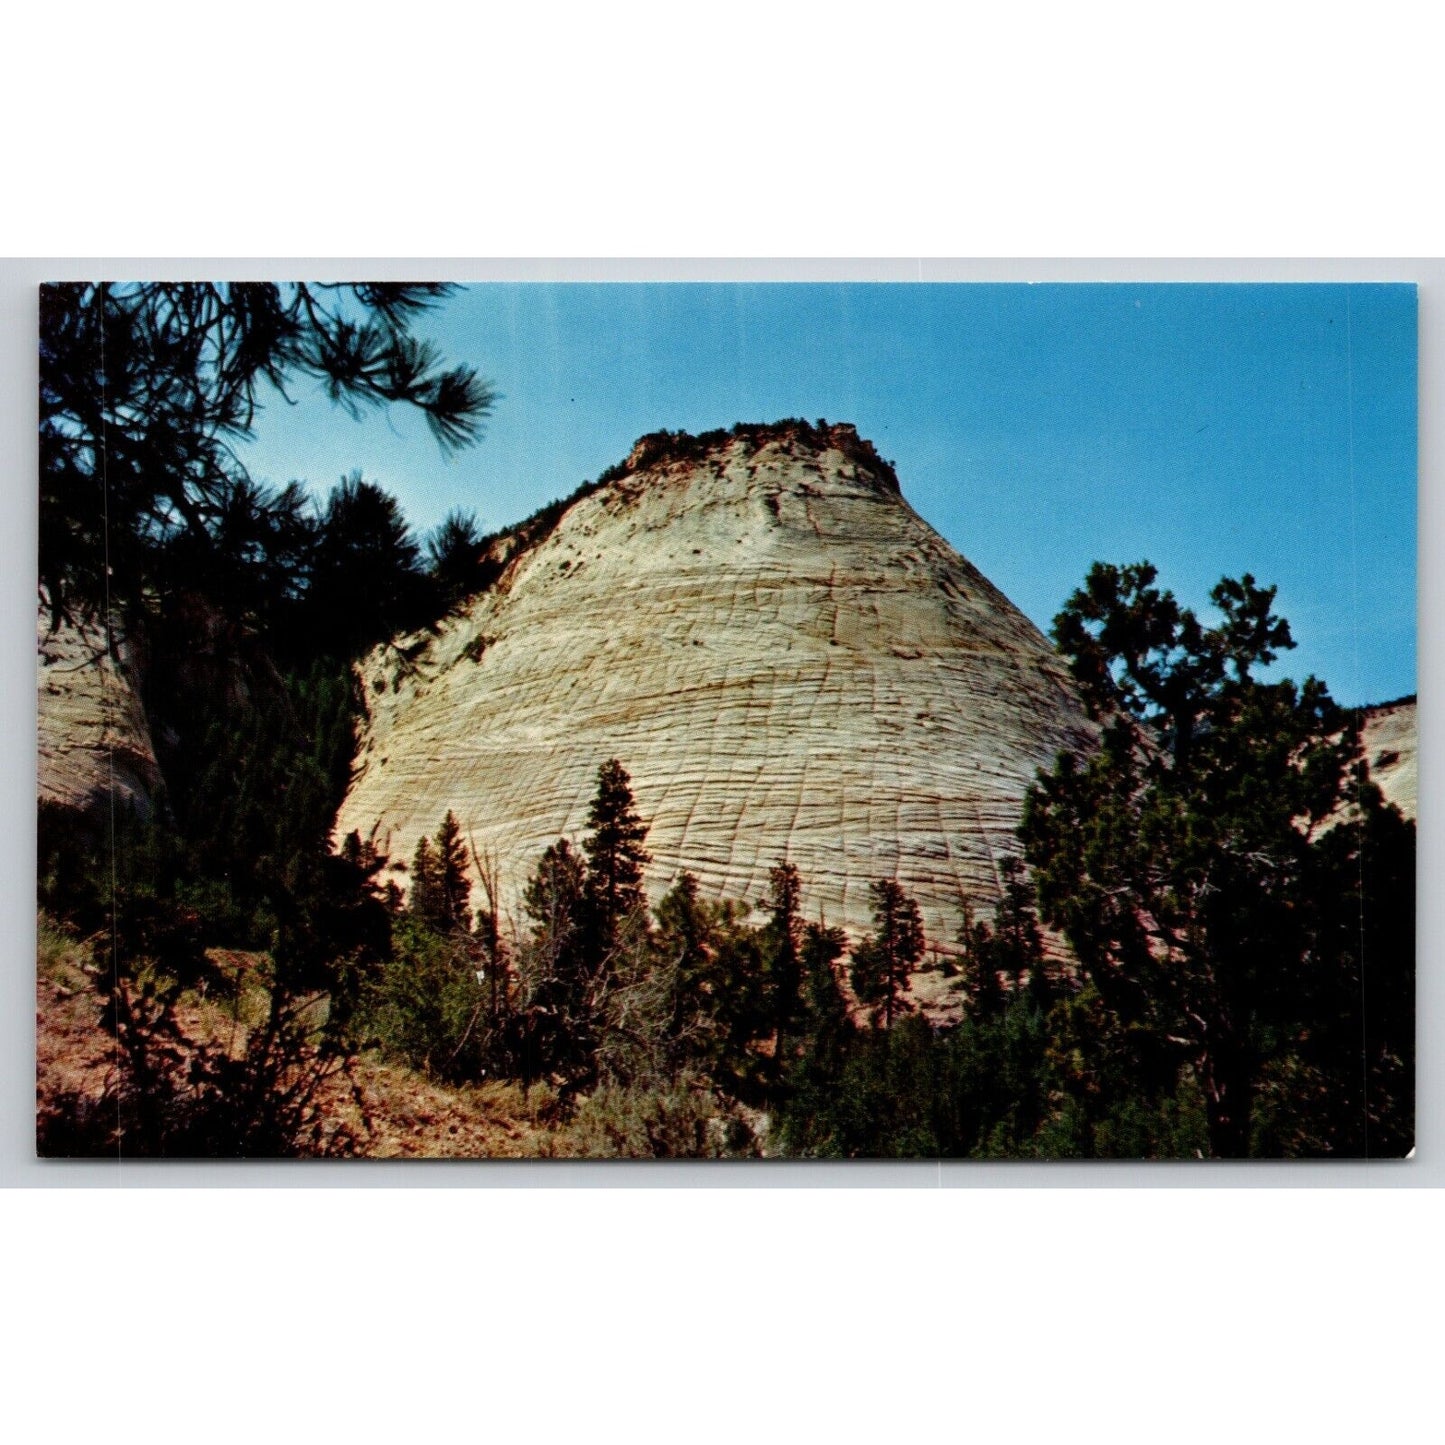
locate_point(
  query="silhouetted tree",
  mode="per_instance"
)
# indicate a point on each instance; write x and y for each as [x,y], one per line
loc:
[1197,862]
[615,860]
[455,887]
[884,960]
[366,579]
[144,388]
[980,965]
[454,552]
[555,1028]
[425,901]
[782,962]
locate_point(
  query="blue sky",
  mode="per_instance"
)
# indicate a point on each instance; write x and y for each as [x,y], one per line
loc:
[1211,429]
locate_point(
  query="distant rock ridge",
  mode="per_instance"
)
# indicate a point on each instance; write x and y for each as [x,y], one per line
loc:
[787,659]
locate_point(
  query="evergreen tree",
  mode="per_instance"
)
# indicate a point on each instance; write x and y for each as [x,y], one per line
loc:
[147,386]
[426,901]
[615,860]
[555,1029]
[366,581]
[554,900]
[980,965]
[1199,860]
[782,945]
[454,885]
[454,556]
[826,1009]
[1017,943]
[885,959]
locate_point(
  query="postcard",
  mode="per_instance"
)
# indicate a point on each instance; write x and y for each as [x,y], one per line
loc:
[726,720]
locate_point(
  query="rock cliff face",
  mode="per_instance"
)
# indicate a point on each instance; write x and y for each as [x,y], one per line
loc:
[93,742]
[1390,741]
[786,658]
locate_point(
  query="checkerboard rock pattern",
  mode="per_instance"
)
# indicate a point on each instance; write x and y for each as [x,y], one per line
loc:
[787,659]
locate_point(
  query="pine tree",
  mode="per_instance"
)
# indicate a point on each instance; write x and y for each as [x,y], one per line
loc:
[825,1007]
[554,900]
[149,384]
[980,967]
[555,1031]
[425,901]
[454,884]
[884,960]
[782,942]
[615,860]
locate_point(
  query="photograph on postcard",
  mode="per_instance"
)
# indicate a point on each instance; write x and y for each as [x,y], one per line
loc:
[726,720]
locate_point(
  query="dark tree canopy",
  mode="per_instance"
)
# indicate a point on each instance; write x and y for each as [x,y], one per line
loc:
[1196,861]
[616,857]
[1013,946]
[782,957]
[885,959]
[365,581]
[454,557]
[145,387]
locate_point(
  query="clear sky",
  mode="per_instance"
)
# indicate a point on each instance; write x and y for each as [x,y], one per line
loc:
[1210,429]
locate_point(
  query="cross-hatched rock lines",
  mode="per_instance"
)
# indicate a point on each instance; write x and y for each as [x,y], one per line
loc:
[787,659]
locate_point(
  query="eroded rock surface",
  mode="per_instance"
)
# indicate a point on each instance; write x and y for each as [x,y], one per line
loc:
[1391,747]
[787,659]
[93,742]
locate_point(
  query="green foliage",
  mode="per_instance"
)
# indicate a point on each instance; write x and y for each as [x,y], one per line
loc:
[782,982]
[1012,947]
[426,1004]
[1201,870]
[440,886]
[683,1119]
[711,965]
[554,1030]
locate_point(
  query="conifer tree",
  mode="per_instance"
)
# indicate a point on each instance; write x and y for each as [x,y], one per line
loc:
[980,968]
[147,385]
[825,1006]
[885,958]
[615,860]
[556,1031]
[553,900]
[1200,866]
[782,942]
[455,887]
[424,902]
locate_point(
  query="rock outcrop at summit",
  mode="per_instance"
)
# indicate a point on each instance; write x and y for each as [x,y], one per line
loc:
[787,659]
